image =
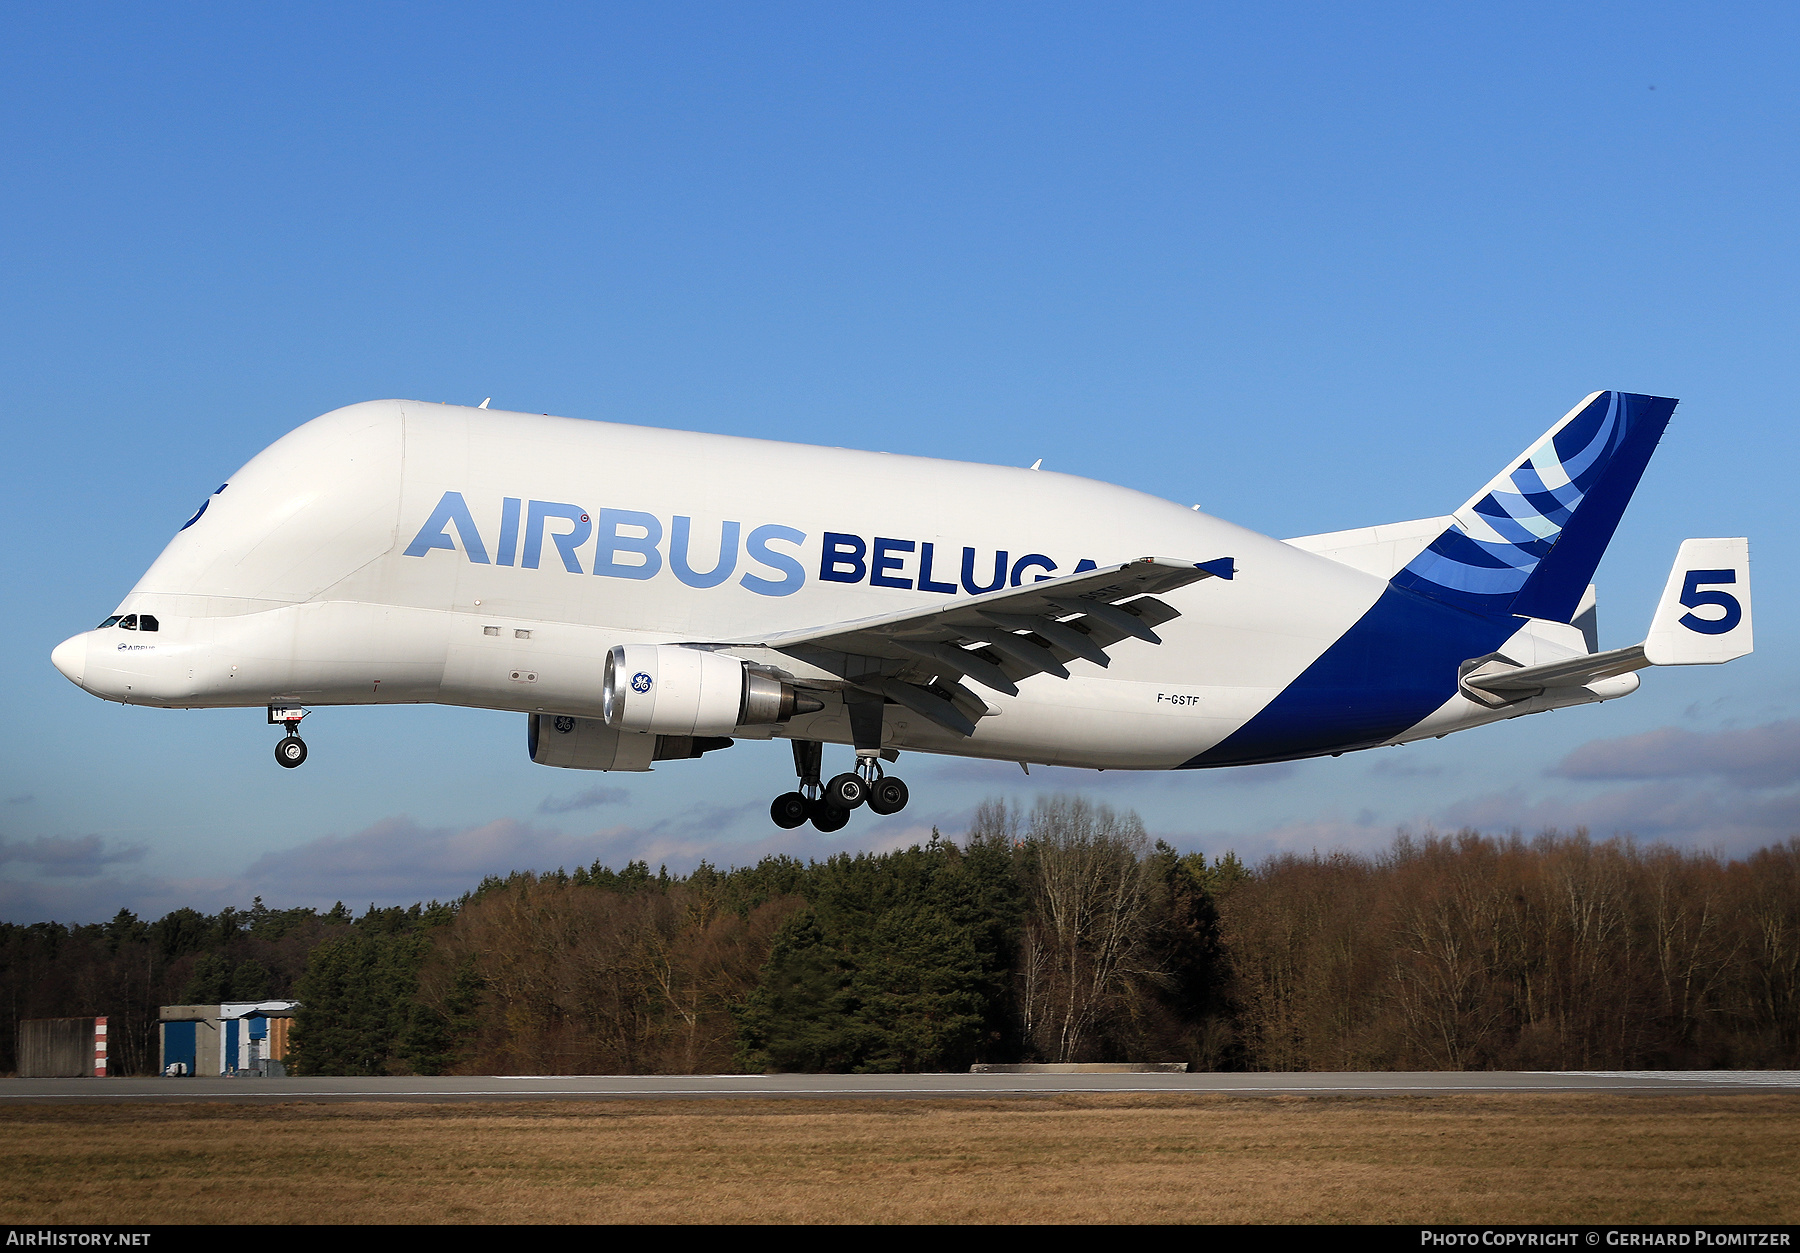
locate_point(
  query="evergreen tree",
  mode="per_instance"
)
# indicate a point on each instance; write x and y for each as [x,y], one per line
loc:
[250,982]
[435,1039]
[356,997]
[900,964]
[801,1016]
[180,932]
[919,992]
[210,983]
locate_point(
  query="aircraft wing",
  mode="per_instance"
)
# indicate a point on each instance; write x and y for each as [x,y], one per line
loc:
[918,657]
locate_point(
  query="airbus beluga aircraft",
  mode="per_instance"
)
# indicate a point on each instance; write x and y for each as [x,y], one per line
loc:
[643,595]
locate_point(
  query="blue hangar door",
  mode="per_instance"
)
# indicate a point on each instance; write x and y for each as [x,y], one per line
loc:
[178,1044]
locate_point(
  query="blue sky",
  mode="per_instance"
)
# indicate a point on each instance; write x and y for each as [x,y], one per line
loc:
[1309,266]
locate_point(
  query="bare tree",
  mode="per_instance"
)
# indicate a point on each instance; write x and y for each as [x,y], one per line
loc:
[1090,895]
[1449,941]
[1693,944]
[1769,908]
[578,979]
[1306,937]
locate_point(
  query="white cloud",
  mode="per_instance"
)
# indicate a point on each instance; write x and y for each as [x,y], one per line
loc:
[588,799]
[99,898]
[68,856]
[1767,756]
[1672,810]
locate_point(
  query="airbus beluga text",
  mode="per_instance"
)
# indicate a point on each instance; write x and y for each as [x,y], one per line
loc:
[641,596]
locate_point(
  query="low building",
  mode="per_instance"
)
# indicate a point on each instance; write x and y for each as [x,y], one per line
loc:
[62,1048]
[237,1038]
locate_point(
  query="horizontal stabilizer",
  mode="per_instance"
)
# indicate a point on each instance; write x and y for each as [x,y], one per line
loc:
[1497,680]
[1703,619]
[1704,615]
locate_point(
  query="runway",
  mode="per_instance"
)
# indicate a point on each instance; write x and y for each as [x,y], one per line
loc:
[245,1091]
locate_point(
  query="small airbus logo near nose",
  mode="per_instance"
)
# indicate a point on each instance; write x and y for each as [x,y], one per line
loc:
[70,657]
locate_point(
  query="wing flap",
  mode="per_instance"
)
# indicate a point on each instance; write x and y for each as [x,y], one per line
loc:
[919,657]
[940,622]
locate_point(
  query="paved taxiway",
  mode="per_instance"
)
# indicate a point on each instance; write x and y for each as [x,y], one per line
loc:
[937,1087]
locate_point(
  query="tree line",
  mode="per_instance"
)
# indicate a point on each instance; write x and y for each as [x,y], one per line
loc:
[1058,934]
[1469,953]
[127,969]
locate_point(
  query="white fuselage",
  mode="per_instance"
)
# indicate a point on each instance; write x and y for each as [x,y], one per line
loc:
[295,585]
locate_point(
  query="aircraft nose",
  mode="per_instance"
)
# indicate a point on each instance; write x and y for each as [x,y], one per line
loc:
[70,657]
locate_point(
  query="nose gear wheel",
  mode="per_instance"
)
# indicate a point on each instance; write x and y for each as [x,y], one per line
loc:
[290,750]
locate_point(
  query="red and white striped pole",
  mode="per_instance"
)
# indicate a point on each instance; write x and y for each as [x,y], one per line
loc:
[99,1048]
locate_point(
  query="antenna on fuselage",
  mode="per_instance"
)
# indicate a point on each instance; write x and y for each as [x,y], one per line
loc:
[484,404]
[1038,464]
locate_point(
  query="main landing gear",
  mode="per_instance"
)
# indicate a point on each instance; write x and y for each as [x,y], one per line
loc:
[290,750]
[828,806]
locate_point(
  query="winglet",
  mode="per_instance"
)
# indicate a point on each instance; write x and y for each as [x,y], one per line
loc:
[1222,568]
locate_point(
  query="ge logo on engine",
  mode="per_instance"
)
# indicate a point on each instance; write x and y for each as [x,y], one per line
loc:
[565,725]
[640,682]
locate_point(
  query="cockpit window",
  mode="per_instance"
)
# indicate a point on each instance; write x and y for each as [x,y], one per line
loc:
[110,622]
[147,622]
[128,622]
[202,508]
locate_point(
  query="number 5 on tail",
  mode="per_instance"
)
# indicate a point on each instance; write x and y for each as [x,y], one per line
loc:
[1704,615]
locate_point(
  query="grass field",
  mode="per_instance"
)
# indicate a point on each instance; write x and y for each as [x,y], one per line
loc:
[1449,1159]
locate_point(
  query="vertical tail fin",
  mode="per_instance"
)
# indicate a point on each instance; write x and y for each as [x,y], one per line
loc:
[1528,542]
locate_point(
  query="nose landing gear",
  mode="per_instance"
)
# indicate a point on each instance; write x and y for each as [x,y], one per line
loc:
[290,750]
[828,807]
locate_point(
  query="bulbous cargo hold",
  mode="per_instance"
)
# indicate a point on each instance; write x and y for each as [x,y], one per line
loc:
[642,596]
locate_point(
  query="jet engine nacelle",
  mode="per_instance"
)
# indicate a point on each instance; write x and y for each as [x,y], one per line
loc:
[589,744]
[673,690]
